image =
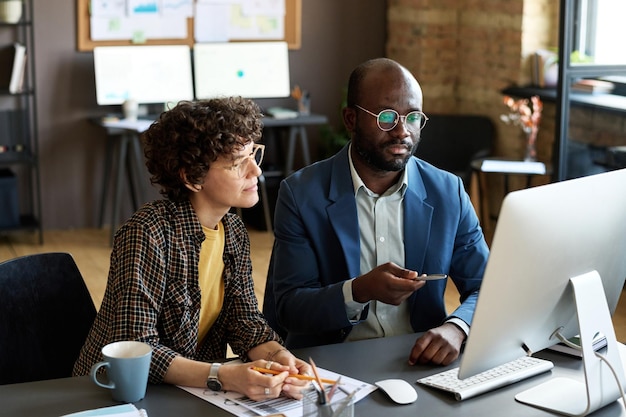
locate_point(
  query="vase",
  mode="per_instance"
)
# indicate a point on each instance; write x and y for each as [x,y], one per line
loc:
[530,154]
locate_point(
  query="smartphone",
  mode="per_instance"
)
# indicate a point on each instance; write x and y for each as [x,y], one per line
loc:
[431,277]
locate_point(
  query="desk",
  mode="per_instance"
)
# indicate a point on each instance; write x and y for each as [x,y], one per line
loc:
[297,128]
[368,360]
[123,150]
[477,167]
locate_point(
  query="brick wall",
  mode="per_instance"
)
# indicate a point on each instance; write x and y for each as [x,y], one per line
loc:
[464,52]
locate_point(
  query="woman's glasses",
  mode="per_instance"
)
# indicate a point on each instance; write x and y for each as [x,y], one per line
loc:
[256,157]
[388,119]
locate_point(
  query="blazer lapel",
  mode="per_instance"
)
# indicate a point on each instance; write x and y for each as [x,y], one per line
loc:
[342,211]
[417,220]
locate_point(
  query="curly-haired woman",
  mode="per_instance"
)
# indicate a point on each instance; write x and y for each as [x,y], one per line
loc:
[180,277]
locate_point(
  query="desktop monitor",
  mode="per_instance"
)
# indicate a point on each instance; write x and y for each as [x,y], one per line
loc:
[247,69]
[544,237]
[148,74]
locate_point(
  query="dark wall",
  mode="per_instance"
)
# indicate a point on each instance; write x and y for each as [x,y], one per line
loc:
[336,36]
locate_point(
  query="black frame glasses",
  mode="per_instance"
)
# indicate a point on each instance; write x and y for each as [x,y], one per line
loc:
[388,119]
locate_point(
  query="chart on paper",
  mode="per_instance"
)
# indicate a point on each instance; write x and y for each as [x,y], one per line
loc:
[241,405]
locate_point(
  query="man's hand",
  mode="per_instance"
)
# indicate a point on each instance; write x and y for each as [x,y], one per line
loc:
[388,283]
[440,345]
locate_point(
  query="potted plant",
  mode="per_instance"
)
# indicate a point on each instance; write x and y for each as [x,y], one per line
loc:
[11,11]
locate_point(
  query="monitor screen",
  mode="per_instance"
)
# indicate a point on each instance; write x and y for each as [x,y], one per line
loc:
[545,236]
[147,74]
[247,69]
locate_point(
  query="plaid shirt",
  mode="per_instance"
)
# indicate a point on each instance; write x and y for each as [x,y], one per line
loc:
[153,296]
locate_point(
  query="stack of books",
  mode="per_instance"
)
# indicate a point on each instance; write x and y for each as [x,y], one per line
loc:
[592,86]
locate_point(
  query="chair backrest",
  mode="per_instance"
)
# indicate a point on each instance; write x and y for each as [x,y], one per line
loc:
[45,314]
[451,142]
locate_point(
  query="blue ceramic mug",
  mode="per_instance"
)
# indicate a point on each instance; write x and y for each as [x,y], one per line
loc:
[127,366]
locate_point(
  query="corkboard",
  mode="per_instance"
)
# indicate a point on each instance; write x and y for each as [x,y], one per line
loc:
[293,21]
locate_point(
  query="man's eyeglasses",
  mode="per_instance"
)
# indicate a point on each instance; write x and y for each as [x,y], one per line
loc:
[388,119]
[256,157]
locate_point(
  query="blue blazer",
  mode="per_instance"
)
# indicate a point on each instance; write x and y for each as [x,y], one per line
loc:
[317,248]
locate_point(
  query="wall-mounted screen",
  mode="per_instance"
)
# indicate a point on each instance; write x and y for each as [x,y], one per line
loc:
[247,69]
[147,74]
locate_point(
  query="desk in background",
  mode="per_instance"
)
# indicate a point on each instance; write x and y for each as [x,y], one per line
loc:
[296,129]
[367,360]
[482,171]
[124,155]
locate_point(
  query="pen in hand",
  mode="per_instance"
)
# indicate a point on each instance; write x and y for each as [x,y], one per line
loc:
[298,376]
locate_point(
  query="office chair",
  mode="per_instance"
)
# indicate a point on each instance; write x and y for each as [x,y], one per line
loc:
[452,142]
[45,314]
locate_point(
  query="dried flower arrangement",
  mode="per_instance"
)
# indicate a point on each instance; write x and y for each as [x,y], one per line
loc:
[525,113]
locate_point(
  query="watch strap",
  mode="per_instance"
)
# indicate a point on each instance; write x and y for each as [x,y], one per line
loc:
[213,382]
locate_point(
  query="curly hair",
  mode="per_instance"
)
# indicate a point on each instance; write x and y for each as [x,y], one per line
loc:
[192,135]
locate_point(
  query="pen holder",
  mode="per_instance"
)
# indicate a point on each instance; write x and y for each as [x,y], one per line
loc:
[340,407]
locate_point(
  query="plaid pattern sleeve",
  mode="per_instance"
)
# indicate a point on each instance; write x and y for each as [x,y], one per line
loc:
[152,292]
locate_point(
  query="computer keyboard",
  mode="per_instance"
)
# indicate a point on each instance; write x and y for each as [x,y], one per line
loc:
[497,377]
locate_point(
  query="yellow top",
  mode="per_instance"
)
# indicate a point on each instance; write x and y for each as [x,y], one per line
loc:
[210,270]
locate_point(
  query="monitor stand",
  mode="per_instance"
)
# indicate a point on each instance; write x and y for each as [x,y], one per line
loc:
[599,388]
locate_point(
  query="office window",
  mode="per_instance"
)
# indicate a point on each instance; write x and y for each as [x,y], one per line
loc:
[600,29]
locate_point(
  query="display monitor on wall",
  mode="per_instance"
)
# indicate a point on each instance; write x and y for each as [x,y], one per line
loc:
[247,69]
[147,74]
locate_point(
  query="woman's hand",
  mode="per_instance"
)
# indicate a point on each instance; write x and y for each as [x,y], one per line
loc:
[293,386]
[255,385]
[272,355]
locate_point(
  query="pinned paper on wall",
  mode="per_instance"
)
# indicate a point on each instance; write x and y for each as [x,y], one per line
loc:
[219,20]
[139,20]
[186,22]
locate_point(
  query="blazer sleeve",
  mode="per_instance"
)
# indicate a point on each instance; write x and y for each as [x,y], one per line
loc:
[309,266]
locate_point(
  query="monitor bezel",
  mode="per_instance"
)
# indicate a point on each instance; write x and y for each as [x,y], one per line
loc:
[148,74]
[544,236]
[218,69]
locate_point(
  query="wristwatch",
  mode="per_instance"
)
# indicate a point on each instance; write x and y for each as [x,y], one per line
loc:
[212,382]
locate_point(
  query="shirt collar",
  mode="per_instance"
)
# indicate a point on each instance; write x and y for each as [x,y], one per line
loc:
[358,183]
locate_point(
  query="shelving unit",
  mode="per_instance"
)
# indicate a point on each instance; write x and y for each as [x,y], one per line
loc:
[567,73]
[19,128]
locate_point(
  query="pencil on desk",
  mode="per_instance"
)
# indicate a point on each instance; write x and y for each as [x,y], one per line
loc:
[299,376]
[323,396]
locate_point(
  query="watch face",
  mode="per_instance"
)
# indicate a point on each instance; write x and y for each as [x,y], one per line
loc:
[214,385]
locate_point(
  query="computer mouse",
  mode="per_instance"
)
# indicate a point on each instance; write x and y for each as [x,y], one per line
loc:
[400,391]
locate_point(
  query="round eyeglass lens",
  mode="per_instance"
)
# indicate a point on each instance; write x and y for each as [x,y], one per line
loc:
[387,119]
[414,118]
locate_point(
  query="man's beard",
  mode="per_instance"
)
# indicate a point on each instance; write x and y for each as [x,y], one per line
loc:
[374,155]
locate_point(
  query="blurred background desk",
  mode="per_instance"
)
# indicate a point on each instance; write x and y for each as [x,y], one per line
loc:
[124,154]
[124,158]
[506,168]
[296,129]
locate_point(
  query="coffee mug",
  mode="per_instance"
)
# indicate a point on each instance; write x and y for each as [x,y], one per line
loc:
[130,108]
[127,366]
